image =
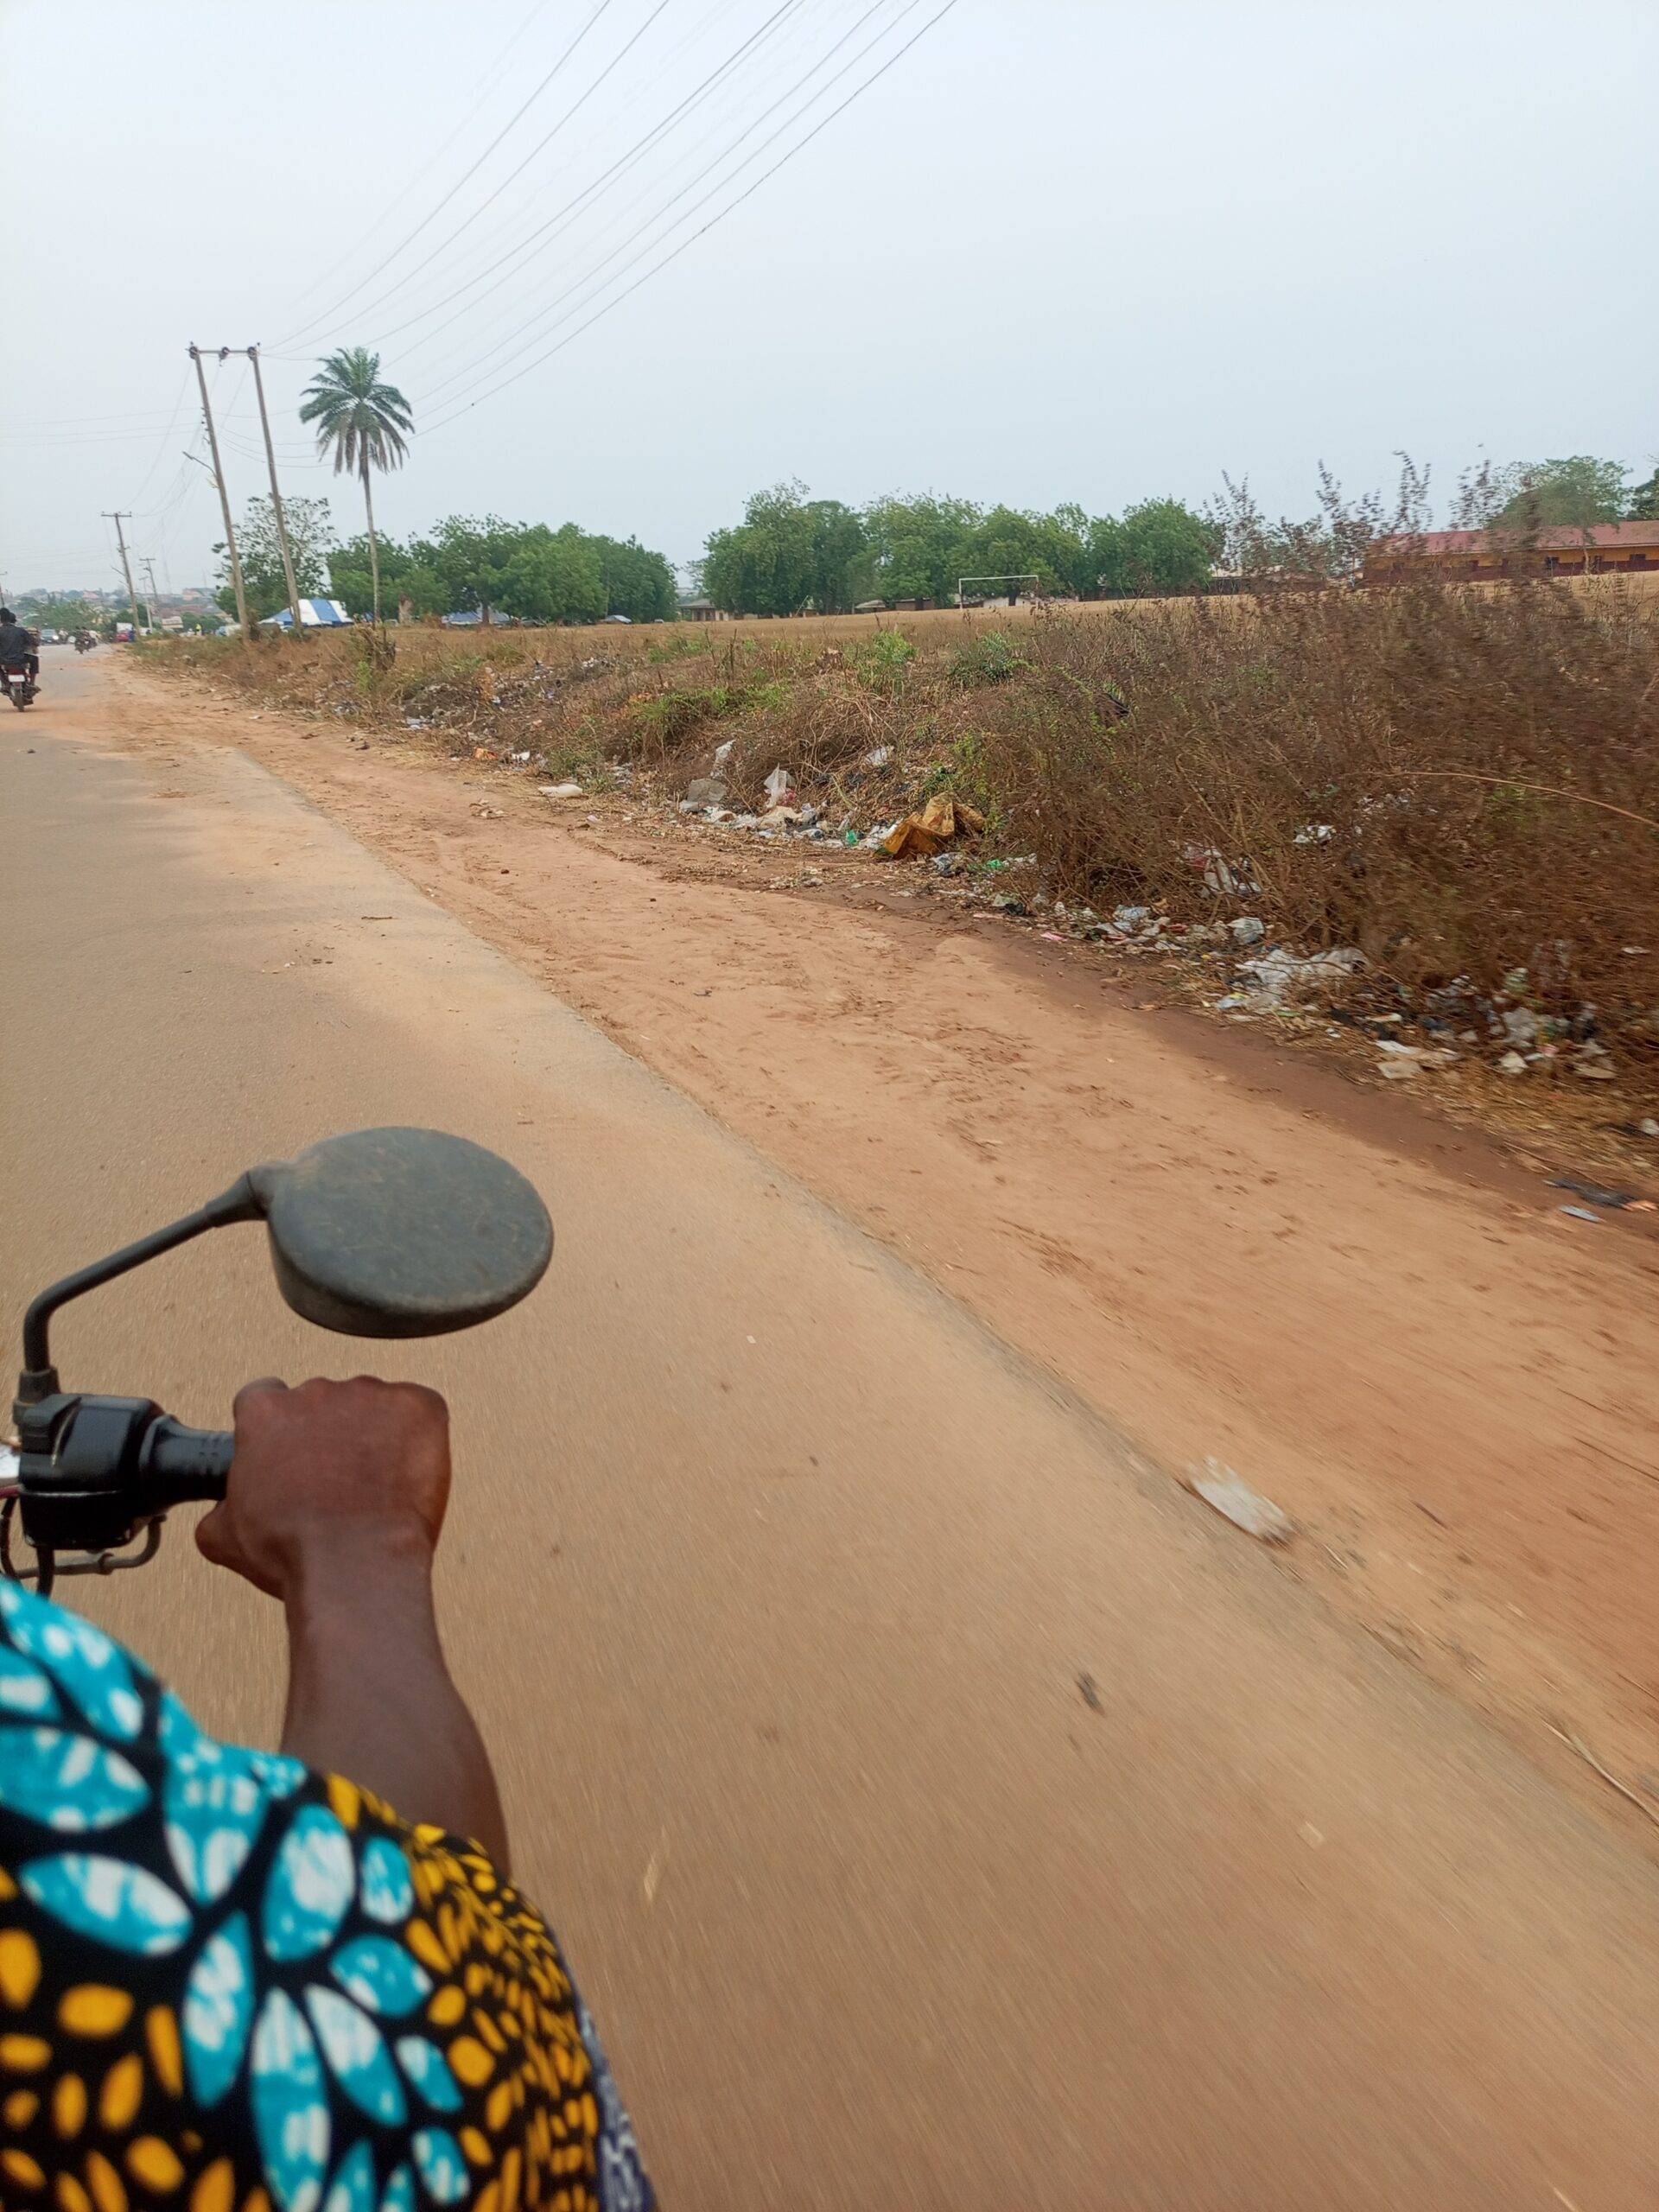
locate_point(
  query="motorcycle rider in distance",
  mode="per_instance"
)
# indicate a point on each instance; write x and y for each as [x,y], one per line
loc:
[19,647]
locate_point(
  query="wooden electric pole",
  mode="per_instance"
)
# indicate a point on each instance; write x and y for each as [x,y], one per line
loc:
[126,565]
[224,495]
[275,495]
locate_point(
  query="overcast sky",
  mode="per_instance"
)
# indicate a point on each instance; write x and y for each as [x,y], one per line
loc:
[1091,250]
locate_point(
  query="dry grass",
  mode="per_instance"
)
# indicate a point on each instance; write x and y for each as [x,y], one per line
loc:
[1463,782]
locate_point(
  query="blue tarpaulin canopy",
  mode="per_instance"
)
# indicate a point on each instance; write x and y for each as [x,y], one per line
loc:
[315,615]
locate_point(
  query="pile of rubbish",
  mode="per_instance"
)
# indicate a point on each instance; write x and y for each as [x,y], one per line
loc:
[944,818]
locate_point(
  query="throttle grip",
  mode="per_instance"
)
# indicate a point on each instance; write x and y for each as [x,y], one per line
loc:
[182,1463]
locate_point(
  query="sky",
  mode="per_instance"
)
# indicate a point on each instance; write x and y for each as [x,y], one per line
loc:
[1050,249]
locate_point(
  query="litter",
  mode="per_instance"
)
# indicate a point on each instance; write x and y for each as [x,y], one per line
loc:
[1592,1194]
[558,791]
[723,754]
[1511,1064]
[705,791]
[779,788]
[1053,937]
[1247,929]
[944,817]
[1591,1073]
[1581,1213]
[879,757]
[1231,1496]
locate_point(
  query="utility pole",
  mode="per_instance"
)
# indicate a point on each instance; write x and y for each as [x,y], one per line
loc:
[275,496]
[224,495]
[149,566]
[124,514]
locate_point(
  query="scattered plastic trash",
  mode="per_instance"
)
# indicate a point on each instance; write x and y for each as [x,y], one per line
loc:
[1592,1194]
[1511,1064]
[1520,1025]
[879,757]
[779,788]
[1232,1497]
[1581,1213]
[1053,937]
[723,754]
[1247,929]
[558,791]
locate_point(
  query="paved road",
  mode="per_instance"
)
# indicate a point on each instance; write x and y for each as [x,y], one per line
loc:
[772,1577]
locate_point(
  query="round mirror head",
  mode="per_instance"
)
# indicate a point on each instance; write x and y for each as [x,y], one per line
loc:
[403,1233]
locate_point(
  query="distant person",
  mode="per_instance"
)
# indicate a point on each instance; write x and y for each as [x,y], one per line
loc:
[19,647]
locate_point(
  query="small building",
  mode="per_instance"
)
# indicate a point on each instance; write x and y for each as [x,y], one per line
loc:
[698,610]
[1616,549]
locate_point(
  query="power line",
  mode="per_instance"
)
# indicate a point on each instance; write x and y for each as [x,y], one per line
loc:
[166,437]
[855,94]
[539,317]
[394,206]
[319,321]
[535,150]
[594,281]
[622,163]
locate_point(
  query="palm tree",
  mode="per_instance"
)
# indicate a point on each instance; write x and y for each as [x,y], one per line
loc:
[363,421]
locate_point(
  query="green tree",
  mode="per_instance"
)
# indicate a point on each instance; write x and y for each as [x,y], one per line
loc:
[637,582]
[1152,551]
[1009,543]
[48,610]
[363,422]
[1644,501]
[409,572]
[553,575]
[473,558]
[1552,494]
[310,534]
[921,545]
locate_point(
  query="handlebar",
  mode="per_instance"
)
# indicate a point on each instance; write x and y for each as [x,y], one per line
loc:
[93,1474]
[180,1465]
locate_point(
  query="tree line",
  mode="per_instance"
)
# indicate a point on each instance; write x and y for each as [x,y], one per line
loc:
[793,554]
[464,564]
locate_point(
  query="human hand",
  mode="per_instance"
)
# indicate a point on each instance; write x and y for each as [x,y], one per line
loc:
[341,1473]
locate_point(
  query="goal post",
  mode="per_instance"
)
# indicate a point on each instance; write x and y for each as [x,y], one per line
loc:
[1025,576]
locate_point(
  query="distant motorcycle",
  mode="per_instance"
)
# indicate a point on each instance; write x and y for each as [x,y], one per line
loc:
[85,641]
[20,687]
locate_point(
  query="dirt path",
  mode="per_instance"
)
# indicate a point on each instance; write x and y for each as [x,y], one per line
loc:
[1452,1386]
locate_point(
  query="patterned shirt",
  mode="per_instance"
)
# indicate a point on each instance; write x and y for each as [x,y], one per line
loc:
[228,1984]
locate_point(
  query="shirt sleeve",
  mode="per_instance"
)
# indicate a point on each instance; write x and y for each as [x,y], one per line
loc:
[234,1984]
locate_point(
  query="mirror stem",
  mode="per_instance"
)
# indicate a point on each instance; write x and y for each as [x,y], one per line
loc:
[244,1201]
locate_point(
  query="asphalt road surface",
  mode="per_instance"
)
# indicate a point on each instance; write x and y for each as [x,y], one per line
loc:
[775,1580]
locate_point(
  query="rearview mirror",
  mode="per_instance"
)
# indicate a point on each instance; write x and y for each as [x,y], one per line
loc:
[403,1233]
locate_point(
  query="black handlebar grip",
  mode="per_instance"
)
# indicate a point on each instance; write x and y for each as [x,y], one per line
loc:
[181,1464]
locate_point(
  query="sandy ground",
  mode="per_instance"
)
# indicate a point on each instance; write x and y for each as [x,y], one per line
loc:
[1378,1320]
[944,1811]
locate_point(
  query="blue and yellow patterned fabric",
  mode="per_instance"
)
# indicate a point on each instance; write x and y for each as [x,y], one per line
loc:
[230,1985]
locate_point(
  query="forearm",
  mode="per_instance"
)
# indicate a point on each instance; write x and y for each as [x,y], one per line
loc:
[368,1695]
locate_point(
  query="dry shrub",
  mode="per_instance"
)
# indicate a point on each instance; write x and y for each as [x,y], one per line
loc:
[1460,782]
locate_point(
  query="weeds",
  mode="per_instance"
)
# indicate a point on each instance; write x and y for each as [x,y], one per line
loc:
[1461,782]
